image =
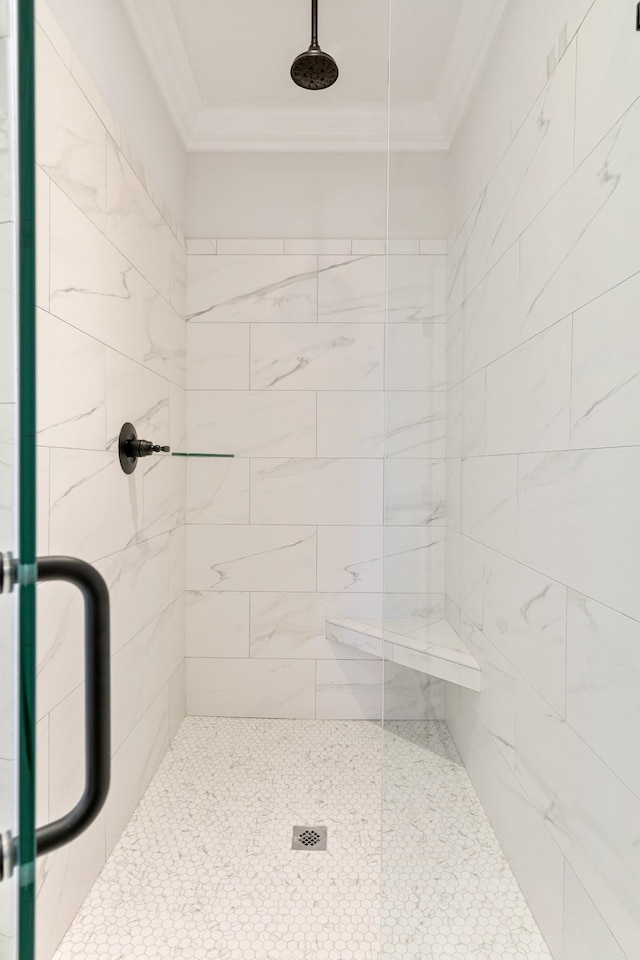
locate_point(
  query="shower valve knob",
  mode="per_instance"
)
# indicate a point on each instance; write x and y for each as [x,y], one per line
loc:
[130,448]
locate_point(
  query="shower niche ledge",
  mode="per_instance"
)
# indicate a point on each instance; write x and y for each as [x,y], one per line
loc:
[435,649]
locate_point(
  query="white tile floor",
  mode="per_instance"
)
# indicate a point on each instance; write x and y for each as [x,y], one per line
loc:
[204,871]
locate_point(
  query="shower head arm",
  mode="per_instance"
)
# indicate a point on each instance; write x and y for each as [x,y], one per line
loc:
[314,24]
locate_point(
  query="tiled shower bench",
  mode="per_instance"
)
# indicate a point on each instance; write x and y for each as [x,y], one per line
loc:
[435,649]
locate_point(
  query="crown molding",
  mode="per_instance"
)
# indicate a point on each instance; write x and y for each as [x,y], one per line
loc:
[474,34]
[352,127]
[159,37]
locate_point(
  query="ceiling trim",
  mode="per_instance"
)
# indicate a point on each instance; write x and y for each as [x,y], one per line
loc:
[159,37]
[478,25]
[352,127]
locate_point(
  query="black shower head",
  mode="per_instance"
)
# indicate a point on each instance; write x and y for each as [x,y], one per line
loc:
[314,69]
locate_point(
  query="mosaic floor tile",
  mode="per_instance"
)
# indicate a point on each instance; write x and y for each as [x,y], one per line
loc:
[205,870]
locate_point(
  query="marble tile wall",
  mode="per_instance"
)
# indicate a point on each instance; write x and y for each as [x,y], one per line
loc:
[543,464]
[111,348]
[286,369]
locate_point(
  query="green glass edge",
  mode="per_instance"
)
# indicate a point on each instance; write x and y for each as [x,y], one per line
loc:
[26,475]
[222,455]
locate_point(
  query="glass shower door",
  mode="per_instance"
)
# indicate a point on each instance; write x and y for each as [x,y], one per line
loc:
[17,481]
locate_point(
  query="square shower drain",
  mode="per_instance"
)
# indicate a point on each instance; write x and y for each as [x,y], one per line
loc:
[309,838]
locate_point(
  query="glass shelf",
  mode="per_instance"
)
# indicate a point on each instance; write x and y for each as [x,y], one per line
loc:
[218,455]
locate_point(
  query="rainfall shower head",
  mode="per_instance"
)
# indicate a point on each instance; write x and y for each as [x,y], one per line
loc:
[314,69]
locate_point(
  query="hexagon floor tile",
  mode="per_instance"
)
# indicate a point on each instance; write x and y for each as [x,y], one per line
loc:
[205,870]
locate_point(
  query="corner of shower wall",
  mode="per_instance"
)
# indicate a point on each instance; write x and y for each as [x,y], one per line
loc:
[536,587]
[111,348]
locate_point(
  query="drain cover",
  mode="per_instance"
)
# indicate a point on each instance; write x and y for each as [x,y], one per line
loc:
[309,838]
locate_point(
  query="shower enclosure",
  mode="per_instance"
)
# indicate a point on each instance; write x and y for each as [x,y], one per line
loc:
[374,642]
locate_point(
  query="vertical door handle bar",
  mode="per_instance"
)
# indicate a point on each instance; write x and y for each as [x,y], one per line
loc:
[97,699]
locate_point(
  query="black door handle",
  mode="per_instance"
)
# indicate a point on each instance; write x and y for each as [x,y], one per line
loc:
[97,707]
[97,666]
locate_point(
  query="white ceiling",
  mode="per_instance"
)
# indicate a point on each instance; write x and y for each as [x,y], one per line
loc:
[223,68]
[241,50]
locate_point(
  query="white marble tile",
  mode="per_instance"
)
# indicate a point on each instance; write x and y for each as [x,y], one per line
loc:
[489,501]
[218,356]
[577,522]
[539,160]
[351,423]
[576,793]
[138,396]
[416,356]
[255,557]
[71,386]
[586,935]
[351,289]
[466,417]
[525,618]
[605,391]
[93,286]
[7,292]
[607,80]
[349,689]
[164,337]
[234,247]
[327,356]
[399,246]
[488,321]
[533,854]
[414,492]
[177,561]
[134,765]
[138,582]
[415,424]
[70,139]
[42,239]
[81,482]
[177,700]
[465,575]
[196,246]
[335,247]
[414,559]
[410,695]
[350,559]
[433,247]
[251,688]
[452,493]
[217,490]
[497,702]
[163,650]
[370,247]
[135,225]
[528,395]
[467,258]
[177,418]
[252,289]
[603,678]
[293,625]
[217,624]
[63,880]
[60,644]
[252,423]
[126,691]
[578,247]
[326,492]
[164,486]
[417,289]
